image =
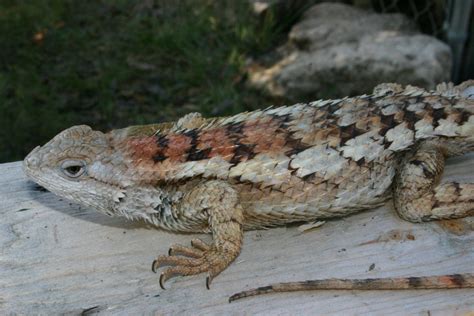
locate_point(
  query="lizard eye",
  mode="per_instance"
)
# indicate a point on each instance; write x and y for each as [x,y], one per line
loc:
[72,168]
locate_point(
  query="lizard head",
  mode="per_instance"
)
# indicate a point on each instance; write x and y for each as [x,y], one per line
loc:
[76,164]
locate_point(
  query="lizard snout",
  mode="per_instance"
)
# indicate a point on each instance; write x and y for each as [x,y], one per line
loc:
[32,160]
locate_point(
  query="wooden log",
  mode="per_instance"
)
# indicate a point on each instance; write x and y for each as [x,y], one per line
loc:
[60,258]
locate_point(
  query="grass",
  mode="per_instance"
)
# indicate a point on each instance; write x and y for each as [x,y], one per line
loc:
[110,64]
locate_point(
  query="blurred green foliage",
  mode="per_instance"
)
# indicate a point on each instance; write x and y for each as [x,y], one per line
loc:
[115,63]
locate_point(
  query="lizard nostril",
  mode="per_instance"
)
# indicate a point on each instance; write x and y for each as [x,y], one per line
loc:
[32,160]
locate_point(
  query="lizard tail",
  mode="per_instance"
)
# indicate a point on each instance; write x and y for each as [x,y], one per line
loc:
[453,281]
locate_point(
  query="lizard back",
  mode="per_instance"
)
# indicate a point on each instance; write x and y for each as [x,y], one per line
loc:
[300,162]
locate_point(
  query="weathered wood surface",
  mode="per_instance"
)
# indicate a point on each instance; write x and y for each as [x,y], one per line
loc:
[59,258]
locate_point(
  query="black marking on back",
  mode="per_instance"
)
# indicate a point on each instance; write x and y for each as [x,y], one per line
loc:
[438,114]
[388,122]
[193,153]
[361,161]
[410,118]
[295,144]
[349,132]
[162,142]
[193,134]
[329,112]
[465,115]
[159,157]
[242,152]
[284,118]
[199,154]
[235,132]
[333,107]
[235,128]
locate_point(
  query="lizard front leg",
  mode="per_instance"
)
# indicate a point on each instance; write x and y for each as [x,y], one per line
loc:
[417,194]
[219,203]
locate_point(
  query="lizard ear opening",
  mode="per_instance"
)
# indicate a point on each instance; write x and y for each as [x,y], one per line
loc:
[73,168]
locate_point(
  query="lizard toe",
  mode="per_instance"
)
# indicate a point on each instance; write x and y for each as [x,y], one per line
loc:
[199,244]
[163,260]
[178,249]
[181,270]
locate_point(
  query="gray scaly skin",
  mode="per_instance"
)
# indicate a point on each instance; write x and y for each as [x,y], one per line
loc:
[272,167]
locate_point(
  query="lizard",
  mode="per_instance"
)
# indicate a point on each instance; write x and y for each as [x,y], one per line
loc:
[272,167]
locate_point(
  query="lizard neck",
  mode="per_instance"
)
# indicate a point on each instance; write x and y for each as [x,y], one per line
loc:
[157,206]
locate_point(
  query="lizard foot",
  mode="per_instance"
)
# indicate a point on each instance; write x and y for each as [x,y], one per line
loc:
[199,258]
[225,218]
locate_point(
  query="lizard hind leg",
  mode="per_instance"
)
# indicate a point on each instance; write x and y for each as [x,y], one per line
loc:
[225,216]
[417,194]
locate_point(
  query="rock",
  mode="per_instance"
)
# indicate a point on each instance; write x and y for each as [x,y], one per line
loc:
[338,50]
[279,7]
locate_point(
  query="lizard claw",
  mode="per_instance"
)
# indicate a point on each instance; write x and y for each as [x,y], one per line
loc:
[208,282]
[153,266]
[162,281]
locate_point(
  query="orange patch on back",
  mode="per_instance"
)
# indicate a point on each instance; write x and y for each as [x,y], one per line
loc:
[142,147]
[177,147]
[218,142]
[266,135]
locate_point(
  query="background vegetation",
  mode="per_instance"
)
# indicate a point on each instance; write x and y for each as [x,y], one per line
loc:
[110,64]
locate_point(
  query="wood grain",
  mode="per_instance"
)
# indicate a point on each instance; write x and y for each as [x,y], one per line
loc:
[60,258]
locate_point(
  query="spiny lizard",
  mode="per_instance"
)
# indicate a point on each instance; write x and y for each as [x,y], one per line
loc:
[272,167]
